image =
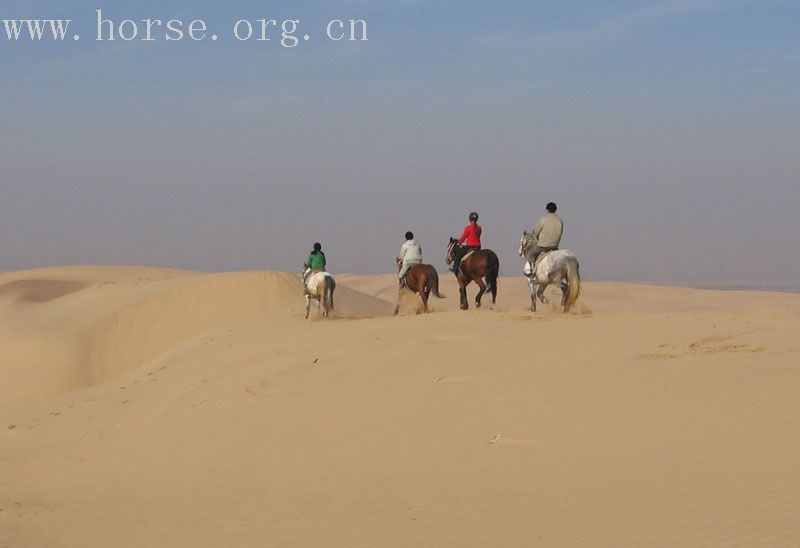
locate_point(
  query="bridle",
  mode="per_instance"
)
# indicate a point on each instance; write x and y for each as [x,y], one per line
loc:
[450,251]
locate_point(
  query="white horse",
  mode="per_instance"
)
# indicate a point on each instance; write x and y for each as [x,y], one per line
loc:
[320,287]
[553,267]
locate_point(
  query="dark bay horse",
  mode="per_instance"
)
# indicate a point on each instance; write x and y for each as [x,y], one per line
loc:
[474,267]
[422,279]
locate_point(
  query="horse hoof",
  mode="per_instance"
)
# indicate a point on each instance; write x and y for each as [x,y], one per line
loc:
[477,305]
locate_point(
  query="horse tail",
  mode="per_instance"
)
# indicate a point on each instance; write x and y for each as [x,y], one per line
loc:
[433,282]
[492,271]
[330,285]
[574,283]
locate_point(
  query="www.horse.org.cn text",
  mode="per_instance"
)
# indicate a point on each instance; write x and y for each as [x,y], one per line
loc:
[285,32]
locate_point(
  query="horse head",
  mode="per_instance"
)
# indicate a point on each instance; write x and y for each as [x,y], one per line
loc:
[451,250]
[527,241]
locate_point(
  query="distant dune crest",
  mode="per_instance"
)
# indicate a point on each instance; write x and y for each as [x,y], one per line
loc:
[91,325]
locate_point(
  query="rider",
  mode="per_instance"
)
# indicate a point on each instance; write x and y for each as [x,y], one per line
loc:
[471,238]
[410,255]
[548,232]
[316,262]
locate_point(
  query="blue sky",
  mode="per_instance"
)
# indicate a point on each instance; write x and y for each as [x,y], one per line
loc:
[666,131]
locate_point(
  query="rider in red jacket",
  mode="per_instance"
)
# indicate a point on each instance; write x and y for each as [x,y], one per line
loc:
[471,240]
[472,233]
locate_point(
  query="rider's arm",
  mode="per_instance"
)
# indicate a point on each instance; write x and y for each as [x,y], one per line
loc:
[538,229]
[464,236]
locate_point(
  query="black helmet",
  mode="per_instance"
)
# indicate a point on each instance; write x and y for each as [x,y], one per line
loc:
[473,216]
[317,246]
[409,235]
[552,207]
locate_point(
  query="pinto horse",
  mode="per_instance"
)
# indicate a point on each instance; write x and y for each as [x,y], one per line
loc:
[422,279]
[320,286]
[474,267]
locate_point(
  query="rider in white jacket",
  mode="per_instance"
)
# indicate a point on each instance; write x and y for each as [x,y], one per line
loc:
[410,255]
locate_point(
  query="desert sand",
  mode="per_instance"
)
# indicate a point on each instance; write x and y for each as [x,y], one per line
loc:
[160,408]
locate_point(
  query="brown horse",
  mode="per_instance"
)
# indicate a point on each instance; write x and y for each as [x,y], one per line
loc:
[422,279]
[480,264]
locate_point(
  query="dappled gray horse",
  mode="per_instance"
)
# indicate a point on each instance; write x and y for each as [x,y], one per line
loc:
[552,267]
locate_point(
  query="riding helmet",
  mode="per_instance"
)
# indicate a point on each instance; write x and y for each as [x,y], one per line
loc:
[473,216]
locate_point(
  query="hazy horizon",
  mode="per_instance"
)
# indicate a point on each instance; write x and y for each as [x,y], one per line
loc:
[666,132]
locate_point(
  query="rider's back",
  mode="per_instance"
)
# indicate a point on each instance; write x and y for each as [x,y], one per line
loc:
[411,252]
[548,231]
[316,261]
[472,235]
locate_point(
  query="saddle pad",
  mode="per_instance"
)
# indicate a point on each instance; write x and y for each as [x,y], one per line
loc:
[543,254]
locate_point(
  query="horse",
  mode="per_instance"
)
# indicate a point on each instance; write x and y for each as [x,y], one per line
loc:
[474,267]
[422,279]
[552,267]
[320,286]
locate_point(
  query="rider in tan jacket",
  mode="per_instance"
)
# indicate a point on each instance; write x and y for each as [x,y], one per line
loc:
[548,232]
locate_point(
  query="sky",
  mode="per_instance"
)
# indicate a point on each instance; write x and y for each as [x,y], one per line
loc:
[666,131]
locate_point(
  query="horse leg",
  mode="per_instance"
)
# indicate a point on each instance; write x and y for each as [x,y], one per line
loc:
[319,306]
[424,293]
[462,289]
[540,294]
[564,293]
[481,291]
[532,287]
[399,295]
[308,304]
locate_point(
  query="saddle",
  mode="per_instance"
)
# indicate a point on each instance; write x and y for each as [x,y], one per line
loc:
[308,273]
[467,254]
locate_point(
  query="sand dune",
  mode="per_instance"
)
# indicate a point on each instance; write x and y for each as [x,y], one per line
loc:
[152,407]
[100,325]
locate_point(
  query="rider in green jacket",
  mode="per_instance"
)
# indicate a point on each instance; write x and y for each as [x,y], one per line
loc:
[316,261]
